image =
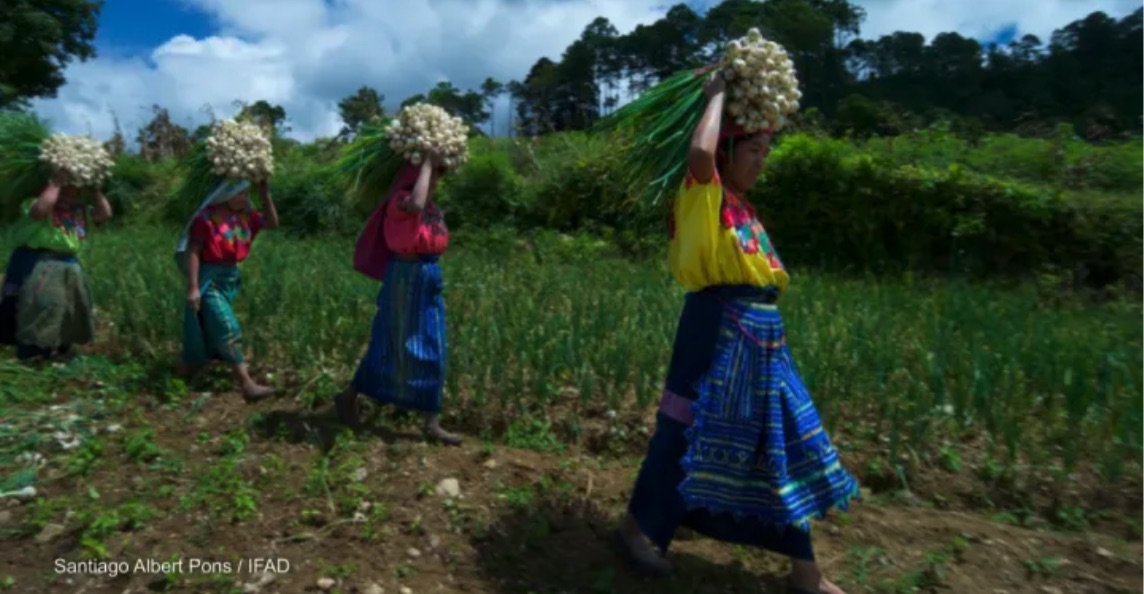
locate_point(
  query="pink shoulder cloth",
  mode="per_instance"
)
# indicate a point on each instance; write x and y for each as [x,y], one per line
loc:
[372,253]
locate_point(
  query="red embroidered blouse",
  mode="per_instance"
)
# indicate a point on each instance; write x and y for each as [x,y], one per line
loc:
[415,233]
[225,234]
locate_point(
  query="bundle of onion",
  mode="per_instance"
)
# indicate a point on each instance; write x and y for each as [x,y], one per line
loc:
[234,150]
[654,131]
[240,150]
[77,160]
[423,127]
[761,83]
[370,163]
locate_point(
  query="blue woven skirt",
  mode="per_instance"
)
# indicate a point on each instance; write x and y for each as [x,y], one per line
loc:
[739,453]
[405,362]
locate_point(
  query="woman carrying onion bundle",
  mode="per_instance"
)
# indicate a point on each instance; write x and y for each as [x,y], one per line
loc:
[404,364]
[216,240]
[46,307]
[219,239]
[739,453]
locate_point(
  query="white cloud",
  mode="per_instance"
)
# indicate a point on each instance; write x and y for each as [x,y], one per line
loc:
[306,54]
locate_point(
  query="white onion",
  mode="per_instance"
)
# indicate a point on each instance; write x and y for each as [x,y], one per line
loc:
[79,160]
[762,82]
[421,128]
[240,149]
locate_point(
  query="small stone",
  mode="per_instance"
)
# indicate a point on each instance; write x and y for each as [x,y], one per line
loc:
[406,590]
[359,475]
[373,589]
[449,487]
[49,533]
[434,541]
[413,553]
[325,583]
[1103,552]
[490,464]
[360,518]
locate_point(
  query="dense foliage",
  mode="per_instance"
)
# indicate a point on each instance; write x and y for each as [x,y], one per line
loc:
[1060,209]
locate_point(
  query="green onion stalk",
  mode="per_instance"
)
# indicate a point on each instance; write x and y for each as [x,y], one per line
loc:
[653,134]
[22,173]
[368,165]
[198,180]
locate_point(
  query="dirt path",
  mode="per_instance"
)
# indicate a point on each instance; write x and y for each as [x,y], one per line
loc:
[373,515]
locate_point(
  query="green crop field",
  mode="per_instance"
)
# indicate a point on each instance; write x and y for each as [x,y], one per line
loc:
[965,396]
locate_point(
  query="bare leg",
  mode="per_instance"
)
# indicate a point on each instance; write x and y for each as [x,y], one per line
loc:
[639,549]
[250,389]
[433,430]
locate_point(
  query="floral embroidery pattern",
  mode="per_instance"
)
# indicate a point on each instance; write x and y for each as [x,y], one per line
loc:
[431,215]
[433,218]
[753,239]
[233,228]
[70,221]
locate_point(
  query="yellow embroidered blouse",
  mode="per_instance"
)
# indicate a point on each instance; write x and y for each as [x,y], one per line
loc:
[717,239]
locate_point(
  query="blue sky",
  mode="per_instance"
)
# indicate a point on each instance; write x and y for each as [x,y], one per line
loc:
[134,27]
[191,56]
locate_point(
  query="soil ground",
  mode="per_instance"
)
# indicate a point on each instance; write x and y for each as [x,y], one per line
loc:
[209,477]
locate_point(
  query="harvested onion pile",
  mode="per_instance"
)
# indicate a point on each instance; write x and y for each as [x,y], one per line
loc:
[78,160]
[240,150]
[761,82]
[421,128]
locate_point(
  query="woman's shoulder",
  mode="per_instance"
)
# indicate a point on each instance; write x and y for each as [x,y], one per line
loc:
[691,183]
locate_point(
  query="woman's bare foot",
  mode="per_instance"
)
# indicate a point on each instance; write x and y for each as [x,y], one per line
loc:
[639,550]
[806,578]
[251,390]
[828,587]
[254,392]
[433,431]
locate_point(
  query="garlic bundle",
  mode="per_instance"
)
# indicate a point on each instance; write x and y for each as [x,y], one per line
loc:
[240,150]
[423,127]
[78,160]
[761,83]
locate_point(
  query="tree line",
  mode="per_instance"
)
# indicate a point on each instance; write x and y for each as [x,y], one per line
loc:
[1088,74]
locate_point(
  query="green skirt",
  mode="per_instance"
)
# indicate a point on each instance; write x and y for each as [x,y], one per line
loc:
[53,304]
[213,331]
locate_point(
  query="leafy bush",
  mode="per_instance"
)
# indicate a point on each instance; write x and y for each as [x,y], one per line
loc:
[137,189]
[829,205]
[484,193]
[1056,209]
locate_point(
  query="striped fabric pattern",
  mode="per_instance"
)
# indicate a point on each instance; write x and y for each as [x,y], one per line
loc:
[757,446]
[405,362]
[213,332]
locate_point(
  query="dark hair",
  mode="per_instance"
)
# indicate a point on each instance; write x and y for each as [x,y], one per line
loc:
[726,149]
